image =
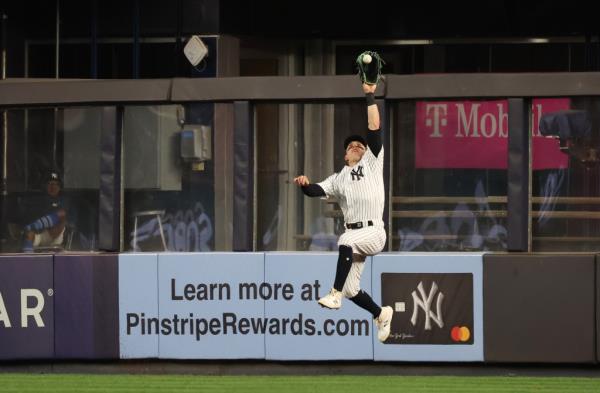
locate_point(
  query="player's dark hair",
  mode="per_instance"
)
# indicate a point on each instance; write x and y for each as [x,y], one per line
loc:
[354,138]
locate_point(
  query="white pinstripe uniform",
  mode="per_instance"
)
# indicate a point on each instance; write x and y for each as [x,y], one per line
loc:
[360,193]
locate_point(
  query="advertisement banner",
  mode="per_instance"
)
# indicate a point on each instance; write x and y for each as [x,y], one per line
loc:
[211,306]
[300,329]
[427,293]
[26,307]
[474,134]
[257,306]
[138,300]
[86,306]
[437,301]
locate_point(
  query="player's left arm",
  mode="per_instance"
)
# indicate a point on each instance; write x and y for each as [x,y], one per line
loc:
[374,134]
[309,189]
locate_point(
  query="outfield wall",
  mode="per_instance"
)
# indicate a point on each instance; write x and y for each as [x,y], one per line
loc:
[455,307]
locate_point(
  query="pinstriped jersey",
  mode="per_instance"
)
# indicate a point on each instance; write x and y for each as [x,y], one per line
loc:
[359,189]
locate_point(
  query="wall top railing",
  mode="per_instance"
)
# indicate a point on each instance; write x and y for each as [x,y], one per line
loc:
[34,92]
[551,84]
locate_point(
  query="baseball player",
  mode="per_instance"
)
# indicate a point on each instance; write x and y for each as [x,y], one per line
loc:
[359,190]
[48,229]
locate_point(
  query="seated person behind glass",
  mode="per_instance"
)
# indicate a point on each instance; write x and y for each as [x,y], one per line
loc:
[48,229]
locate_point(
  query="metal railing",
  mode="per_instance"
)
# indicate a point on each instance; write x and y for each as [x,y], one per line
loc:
[33,92]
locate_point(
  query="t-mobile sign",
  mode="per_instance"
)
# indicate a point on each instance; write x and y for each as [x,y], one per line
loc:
[474,134]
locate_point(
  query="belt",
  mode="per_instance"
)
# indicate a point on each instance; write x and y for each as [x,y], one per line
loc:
[359,224]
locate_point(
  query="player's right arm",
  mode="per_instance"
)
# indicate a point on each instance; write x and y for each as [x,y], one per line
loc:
[374,124]
[311,190]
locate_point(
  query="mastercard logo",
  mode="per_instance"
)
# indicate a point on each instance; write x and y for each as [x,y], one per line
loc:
[460,334]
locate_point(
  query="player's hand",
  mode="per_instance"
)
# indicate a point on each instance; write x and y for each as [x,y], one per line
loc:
[302,180]
[367,88]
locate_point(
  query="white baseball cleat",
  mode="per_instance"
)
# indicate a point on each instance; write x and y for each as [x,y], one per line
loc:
[384,322]
[332,300]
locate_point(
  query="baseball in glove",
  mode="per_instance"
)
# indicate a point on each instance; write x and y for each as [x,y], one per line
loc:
[369,66]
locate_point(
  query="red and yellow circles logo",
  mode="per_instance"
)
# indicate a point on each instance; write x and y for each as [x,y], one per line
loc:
[460,333]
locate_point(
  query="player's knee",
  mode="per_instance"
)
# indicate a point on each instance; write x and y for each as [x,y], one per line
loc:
[358,258]
[346,253]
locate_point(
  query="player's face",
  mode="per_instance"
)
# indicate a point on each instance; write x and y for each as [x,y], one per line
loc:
[53,188]
[354,152]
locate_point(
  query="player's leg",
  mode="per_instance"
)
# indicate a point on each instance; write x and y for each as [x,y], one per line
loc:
[352,289]
[56,232]
[382,315]
[50,230]
[43,239]
[372,243]
[47,221]
[28,239]
[343,266]
[333,299]
[348,243]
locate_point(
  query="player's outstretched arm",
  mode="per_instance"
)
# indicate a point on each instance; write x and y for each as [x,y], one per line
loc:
[374,124]
[372,110]
[311,190]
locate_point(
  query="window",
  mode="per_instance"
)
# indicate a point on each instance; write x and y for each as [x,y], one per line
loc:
[52,180]
[565,172]
[169,194]
[300,139]
[449,175]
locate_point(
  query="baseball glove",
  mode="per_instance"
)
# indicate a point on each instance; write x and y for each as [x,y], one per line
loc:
[369,66]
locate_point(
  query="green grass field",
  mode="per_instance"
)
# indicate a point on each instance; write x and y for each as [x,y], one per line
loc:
[267,384]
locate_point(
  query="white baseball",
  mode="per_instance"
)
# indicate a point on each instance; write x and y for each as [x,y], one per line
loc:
[367,59]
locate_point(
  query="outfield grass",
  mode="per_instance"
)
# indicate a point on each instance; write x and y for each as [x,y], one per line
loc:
[281,384]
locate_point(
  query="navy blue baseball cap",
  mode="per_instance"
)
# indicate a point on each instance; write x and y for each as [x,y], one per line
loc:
[354,138]
[53,176]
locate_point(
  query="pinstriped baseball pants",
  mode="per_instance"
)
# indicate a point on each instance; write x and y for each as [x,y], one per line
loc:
[364,242]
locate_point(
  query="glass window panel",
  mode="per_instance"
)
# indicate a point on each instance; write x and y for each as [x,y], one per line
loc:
[169,185]
[52,201]
[300,139]
[449,175]
[565,173]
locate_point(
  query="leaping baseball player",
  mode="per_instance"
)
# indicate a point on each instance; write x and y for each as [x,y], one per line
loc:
[359,190]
